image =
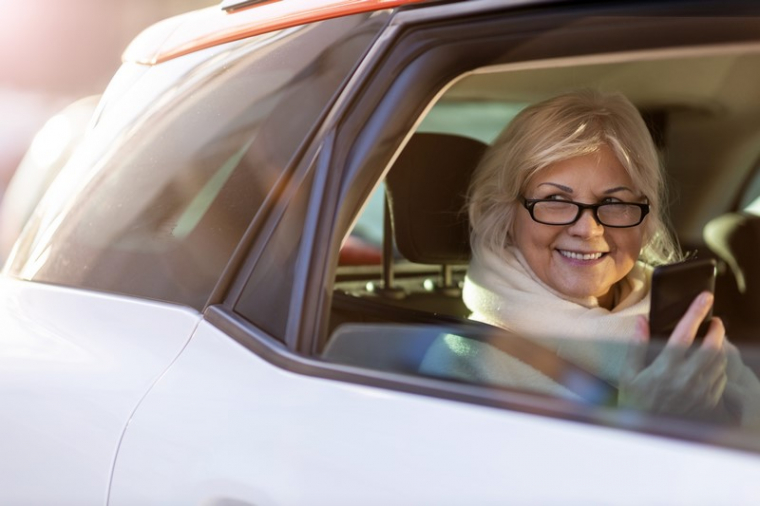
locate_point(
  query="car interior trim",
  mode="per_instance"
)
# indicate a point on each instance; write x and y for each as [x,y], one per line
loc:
[620,57]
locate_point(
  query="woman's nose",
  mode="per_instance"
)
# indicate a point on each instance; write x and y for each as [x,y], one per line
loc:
[586,226]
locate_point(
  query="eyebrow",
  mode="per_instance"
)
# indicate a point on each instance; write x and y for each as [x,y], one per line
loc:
[619,189]
[610,191]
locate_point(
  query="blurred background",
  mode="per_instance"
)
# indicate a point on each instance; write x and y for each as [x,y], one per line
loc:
[53,52]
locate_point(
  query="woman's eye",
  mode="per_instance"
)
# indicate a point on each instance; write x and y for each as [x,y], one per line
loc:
[610,200]
[556,197]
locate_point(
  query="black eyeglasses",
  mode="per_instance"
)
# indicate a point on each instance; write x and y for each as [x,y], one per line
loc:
[566,212]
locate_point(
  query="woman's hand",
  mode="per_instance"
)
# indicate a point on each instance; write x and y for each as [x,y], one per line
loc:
[680,381]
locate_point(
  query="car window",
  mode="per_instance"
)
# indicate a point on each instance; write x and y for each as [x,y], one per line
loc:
[270,308]
[415,321]
[162,213]
[482,119]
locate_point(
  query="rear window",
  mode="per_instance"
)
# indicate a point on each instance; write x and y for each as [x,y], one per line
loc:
[160,214]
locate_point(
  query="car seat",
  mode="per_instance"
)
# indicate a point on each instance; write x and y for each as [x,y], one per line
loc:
[426,193]
[735,239]
[425,199]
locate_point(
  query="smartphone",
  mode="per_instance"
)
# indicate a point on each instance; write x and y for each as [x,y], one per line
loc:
[674,288]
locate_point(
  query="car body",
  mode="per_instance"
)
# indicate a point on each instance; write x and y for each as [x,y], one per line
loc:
[182,326]
[49,151]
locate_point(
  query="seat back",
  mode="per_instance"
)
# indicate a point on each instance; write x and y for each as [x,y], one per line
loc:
[427,188]
[735,239]
[425,198]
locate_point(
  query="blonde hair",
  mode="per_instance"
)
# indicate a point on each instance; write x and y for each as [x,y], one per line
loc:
[563,127]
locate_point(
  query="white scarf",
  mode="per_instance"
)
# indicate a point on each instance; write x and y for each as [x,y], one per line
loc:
[504,292]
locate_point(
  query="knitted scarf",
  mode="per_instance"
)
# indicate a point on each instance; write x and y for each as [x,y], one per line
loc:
[504,292]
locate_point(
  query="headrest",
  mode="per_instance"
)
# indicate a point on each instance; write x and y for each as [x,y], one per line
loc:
[735,239]
[427,188]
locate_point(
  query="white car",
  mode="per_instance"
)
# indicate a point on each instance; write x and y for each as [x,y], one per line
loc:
[180,324]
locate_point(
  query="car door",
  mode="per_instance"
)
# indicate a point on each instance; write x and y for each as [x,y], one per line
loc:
[73,366]
[113,272]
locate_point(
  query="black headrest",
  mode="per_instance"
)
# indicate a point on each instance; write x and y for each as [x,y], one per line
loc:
[735,238]
[427,187]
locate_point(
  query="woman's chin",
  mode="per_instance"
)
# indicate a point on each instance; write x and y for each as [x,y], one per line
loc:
[575,289]
[583,283]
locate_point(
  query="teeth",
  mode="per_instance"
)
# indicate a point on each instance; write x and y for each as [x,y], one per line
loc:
[580,256]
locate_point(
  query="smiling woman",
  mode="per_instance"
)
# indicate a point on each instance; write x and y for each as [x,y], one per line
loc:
[559,208]
[586,131]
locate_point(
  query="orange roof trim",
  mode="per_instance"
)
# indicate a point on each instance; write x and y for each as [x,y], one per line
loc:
[212,26]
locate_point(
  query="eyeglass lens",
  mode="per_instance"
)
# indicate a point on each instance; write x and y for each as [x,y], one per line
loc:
[613,214]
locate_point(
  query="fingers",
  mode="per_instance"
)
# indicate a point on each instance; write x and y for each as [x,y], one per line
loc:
[636,355]
[679,380]
[711,354]
[707,365]
[715,393]
[703,376]
[716,335]
[683,334]
[713,382]
[707,358]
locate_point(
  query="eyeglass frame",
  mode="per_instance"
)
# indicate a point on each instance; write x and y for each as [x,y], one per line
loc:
[530,203]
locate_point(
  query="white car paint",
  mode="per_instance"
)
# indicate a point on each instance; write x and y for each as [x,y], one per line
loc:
[73,366]
[223,426]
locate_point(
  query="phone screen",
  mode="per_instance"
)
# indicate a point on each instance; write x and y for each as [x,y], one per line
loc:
[674,288]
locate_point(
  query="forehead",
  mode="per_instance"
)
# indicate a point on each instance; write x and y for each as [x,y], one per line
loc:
[599,170]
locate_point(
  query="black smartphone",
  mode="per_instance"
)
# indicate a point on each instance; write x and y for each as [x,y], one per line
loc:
[674,288]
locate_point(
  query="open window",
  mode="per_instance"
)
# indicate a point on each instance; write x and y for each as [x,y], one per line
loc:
[423,192]
[389,312]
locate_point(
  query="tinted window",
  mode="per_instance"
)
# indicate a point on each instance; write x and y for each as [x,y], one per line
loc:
[162,215]
[265,299]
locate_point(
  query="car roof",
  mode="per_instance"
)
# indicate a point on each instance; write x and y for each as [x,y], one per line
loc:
[238,19]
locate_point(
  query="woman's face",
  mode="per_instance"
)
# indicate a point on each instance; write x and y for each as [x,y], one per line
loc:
[584,258]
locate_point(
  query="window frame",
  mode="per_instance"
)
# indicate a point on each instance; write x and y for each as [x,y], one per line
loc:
[350,165]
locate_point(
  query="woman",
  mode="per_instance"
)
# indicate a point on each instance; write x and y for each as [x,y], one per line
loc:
[566,210]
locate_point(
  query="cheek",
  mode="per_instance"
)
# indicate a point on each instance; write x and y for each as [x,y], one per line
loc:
[522,235]
[535,242]
[527,234]
[628,244]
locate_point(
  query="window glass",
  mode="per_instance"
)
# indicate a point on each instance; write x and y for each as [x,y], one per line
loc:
[425,326]
[265,299]
[160,214]
[480,120]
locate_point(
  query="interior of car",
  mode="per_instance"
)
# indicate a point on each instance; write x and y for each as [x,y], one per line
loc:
[703,111]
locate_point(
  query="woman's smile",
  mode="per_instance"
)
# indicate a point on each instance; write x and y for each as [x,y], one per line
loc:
[581,257]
